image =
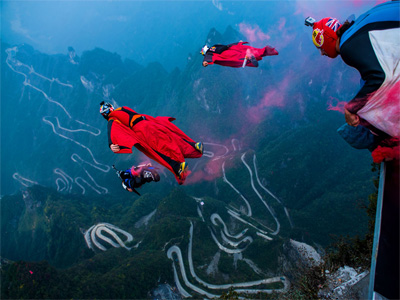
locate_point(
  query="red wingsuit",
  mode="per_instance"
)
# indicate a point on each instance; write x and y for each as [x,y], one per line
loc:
[157,138]
[233,55]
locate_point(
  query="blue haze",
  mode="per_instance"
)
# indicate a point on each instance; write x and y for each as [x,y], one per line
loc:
[166,32]
[274,118]
[147,31]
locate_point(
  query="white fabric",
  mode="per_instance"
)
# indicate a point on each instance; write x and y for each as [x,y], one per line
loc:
[383,107]
[205,48]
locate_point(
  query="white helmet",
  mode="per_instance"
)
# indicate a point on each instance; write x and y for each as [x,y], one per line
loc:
[204,50]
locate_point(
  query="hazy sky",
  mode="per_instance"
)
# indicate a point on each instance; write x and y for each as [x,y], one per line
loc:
[164,31]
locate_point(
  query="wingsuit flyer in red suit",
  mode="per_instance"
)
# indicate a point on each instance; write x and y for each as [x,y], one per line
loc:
[157,138]
[235,55]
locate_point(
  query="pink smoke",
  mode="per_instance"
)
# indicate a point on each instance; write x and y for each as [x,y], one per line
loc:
[363,3]
[253,34]
[210,168]
[263,36]
[337,106]
[272,98]
[357,3]
[278,32]
[248,32]
[210,171]
[281,23]
[283,35]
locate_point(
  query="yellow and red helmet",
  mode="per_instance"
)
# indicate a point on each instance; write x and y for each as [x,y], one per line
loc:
[324,35]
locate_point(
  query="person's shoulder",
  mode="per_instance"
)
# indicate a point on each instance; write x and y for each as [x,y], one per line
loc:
[126,109]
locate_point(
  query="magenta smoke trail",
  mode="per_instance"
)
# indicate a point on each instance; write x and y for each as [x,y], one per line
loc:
[281,23]
[209,172]
[210,168]
[253,34]
[338,106]
[279,33]
[272,98]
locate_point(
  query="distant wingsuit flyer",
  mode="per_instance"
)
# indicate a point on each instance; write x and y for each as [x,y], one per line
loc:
[137,176]
[235,55]
[157,138]
[370,44]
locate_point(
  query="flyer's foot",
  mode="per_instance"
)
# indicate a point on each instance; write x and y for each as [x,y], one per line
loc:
[182,170]
[199,147]
[254,61]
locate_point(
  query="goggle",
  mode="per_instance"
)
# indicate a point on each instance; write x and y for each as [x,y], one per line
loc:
[106,109]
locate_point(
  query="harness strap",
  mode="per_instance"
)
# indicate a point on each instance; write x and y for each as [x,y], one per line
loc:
[136,119]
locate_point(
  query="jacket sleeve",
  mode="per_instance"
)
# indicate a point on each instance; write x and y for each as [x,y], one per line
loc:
[208,58]
[109,125]
[118,135]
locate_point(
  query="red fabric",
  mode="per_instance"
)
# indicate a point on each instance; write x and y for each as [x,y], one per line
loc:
[122,136]
[234,56]
[388,149]
[325,37]
[382,153]
[153,135]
